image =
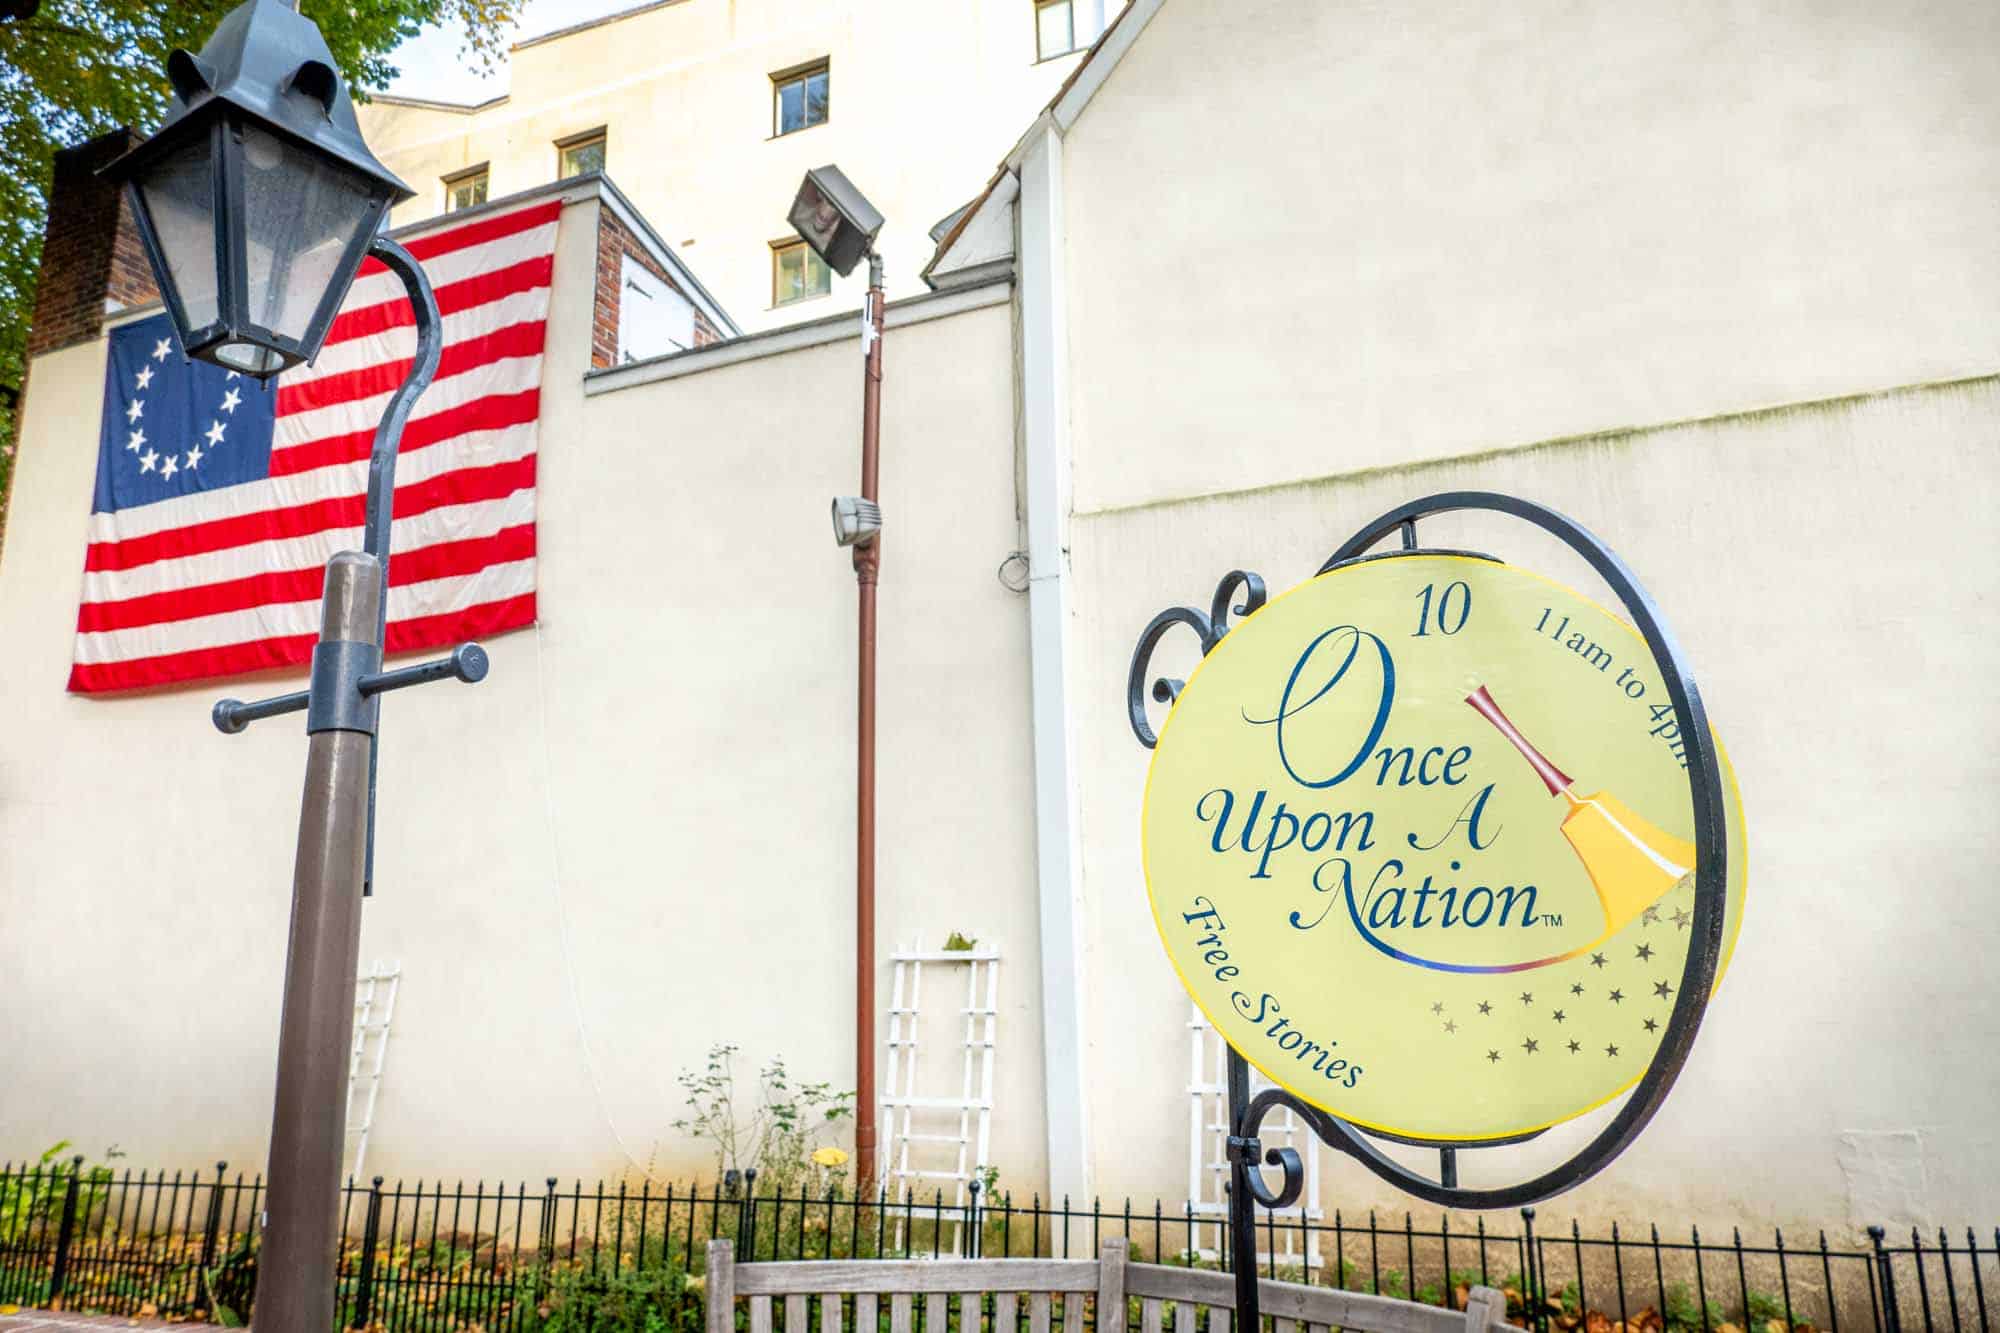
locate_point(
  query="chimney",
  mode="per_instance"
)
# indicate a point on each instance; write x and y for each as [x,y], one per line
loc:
[91,253]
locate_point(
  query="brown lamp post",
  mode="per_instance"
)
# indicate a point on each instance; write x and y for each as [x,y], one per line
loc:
[840,225]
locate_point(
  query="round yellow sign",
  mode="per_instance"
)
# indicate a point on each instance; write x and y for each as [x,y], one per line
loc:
[1419,841]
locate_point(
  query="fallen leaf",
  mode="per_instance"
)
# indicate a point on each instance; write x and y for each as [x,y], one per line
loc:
[1596,1322]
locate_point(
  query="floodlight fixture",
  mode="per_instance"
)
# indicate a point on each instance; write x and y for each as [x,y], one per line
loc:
[835,219]
[257,199]
[856,520]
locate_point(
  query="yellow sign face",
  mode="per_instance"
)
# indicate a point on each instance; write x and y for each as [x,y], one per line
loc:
[1420,843]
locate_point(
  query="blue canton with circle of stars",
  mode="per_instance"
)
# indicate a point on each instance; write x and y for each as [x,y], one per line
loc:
[174,426]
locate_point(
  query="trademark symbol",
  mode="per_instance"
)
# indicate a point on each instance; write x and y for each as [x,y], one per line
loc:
[1551,918]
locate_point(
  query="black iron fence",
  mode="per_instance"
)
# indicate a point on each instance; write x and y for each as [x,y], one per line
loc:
[427,1258]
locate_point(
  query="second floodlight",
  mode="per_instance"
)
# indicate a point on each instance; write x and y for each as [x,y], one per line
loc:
[855,520]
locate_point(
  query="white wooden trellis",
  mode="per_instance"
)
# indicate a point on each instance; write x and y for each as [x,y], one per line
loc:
[928,1140]
[374,1009]
[1208,1161]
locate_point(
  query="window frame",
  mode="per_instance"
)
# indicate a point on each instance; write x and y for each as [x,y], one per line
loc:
[1040,6]
[570,143]
[778,249]
[784,78]
[464,176]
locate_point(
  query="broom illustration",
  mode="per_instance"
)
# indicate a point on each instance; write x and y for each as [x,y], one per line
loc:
[1631,864]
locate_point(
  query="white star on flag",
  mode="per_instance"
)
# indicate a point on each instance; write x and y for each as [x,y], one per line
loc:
[136,410]
[171,466]
[138,437]
[194,458]
[160,349]
[215,429]
[147,459]
[230,400]
[145,376]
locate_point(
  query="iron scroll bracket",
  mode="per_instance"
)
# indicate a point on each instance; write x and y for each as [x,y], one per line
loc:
[1247,1114]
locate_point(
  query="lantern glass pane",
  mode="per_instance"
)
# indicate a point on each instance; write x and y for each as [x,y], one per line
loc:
[301,214]
[178,194]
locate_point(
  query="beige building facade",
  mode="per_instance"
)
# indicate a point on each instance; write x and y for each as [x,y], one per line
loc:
[1718,283]
[708,113]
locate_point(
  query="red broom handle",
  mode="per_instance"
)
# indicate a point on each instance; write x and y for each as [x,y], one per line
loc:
[1557,780]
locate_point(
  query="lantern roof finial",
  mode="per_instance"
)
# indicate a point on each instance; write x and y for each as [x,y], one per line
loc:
[270,62]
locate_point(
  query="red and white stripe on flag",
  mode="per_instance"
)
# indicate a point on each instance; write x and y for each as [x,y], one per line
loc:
[225,581]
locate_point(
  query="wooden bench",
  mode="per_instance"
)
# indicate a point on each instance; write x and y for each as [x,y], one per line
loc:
[854,1295]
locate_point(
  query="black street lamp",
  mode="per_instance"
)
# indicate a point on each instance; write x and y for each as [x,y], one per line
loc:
[257,201]
[257,198]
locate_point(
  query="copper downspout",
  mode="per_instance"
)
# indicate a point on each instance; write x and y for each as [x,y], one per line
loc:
[867,564]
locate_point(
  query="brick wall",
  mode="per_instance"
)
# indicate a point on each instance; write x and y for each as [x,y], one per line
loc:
[90,249]
[615,241]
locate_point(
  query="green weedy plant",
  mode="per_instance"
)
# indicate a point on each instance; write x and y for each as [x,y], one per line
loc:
[1684,1316]
[29,1200]
[653,1299]
[779,1138]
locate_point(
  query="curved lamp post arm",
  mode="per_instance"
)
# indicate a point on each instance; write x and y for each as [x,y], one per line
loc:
[382,467]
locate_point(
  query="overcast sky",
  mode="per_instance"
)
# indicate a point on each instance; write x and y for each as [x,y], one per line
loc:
[432,66]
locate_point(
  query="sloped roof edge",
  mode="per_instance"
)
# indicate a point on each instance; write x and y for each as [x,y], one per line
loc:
[1063,110]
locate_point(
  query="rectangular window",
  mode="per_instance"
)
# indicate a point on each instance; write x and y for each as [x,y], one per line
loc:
[465,190]
[799,98]
[580,156]
[1055,28]
[797,274]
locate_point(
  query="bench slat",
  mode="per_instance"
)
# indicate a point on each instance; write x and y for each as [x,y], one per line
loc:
[950,1276]
[1006,1313]
[864,1313]
[829,1314]
[760,1314]
[1149,1315]
[969,1312]
[798,1315]
[1072,1313]
[899,1312]
[937,1313]
[1038,1312]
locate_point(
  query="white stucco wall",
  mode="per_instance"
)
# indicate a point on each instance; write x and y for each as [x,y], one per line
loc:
[1377,252]
[633,840]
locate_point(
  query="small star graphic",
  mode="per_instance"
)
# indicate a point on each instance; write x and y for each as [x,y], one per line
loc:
[1649,916]
[230,401]
[231,376]
[194,458]
[1485,1008]
[1527,998]
[1681,918]
[1558,1015]
[1652,1025]
[1662,989]
[1577,989]
[145,377]
[1574,1047]
[1611,1050]
[171,466]
[1617,997]
[135,409]
[1597,960]
[136,439]
[1438,1008]
[1493,1056]
[161,348]
[147,459]
[1645,953]
[215,429]
[1450,1026]
[1530,1046]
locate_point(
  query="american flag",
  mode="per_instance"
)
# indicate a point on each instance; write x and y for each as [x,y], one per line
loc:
[219,498]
